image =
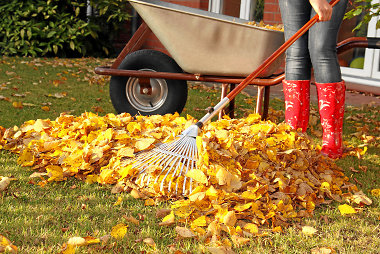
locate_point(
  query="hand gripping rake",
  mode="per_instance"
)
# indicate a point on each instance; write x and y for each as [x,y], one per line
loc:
[173,160]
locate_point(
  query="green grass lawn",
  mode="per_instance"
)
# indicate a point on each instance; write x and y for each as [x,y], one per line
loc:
[40,219]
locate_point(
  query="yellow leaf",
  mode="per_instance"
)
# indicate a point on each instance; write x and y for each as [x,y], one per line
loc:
[346,209]
[212,192]
[119,231]
[325,187]
[229,219]
[144,144]
[68,249]
[17,104]
[136,194]
[375,192]
[242,207]
[127,171]
[223,176]
[26,158]
[308,231]
[221,134]
[150,202]
[133,127]
[118,202]
[91,179]
[6,245]
[251,228]
[250,195]
[197,196]
[55,173]
[41,125]
[198,176]
[199,222]
[91,240]
[168,220]
[125,152]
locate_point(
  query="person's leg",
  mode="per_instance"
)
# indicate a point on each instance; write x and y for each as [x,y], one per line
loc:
[330,86]
[295,14]
[296,86]
[322,46]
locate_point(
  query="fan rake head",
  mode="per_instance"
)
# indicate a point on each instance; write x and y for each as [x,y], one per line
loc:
[167,164]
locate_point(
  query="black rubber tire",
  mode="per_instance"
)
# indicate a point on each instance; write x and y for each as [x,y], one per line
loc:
[125,90]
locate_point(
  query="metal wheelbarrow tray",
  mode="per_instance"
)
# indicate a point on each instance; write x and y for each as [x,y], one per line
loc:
[207,43]
[206,47]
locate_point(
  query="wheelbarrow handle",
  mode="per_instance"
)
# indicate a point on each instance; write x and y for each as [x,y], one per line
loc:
[218,107]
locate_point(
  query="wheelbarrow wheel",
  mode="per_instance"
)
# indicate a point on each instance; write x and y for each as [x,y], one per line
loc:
[148,96]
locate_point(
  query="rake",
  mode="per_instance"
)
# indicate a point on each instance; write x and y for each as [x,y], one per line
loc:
[171,161]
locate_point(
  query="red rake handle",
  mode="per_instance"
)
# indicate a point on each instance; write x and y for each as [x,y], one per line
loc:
[275,55]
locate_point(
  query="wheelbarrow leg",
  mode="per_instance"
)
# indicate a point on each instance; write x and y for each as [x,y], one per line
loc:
[231,106]
[266,102]
[133,44]
[222,95]
[262,103]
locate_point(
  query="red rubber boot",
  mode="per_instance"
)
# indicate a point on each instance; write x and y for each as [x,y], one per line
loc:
[331,98]
[297,103]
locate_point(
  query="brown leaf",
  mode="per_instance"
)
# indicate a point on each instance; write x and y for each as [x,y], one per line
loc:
[184,232]
[131,219]
[161,213]
[150,242]
[322,250]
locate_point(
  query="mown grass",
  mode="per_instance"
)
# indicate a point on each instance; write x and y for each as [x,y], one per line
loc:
[40,219]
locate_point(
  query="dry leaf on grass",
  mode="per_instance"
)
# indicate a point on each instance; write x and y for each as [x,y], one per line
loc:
[119,231]
[308,231]
[184,232]
[5,181]
[150,242]
[322,250]
[6,245]
[346,209]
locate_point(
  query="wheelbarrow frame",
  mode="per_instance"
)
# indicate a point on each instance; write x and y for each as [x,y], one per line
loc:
[263,84]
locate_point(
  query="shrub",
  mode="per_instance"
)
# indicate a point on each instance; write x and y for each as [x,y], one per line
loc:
[367,9]
[59,27]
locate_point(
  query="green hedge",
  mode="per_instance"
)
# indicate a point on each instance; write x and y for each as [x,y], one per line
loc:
[60,27]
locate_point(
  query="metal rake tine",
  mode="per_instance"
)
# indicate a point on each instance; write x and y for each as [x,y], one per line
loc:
[156,150]
[190,160]
[194,153]
[174,159]
[172,152]
[181,162]
[147,159]
[167,159]
[142,163]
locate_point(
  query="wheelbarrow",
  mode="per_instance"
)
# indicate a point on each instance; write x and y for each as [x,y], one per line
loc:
[203,46]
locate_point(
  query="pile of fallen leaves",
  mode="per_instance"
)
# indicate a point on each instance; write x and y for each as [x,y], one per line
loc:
[252,177]
[277,27]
